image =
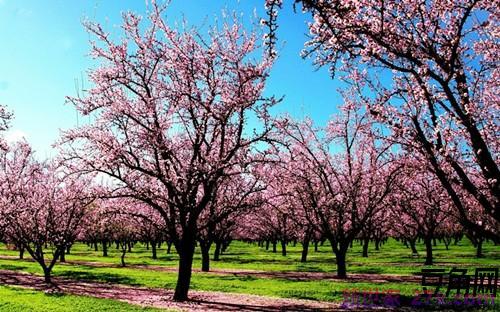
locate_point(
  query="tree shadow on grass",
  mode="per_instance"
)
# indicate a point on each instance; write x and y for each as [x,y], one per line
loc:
[368,270]
[12,267]
[235,277]
[98,277]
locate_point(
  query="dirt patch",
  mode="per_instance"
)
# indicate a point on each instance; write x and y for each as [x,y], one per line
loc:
[160,298]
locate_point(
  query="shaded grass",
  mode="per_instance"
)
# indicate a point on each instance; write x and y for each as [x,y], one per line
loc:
[19,299]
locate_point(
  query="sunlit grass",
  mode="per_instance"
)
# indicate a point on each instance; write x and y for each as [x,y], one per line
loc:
[19,299]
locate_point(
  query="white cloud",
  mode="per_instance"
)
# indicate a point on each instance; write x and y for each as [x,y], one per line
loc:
[15,135]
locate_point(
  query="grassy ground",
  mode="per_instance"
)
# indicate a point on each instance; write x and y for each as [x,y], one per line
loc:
[18,299]
[393,258]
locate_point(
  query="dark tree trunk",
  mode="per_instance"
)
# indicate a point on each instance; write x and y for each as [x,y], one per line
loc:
[218,246]
[283,248]
[366,242]
[68,250]
[274,246]
[153,250]
[62,256]
[104,248]
[46,275]
[316,246]
[129,245]
[434,243]
[186,252]
[96,248]
[479,248]
[169,247]
[305,249]
[205,257]
[147,245]
[413,247]
[21,252]
[428,250]
[340,251]
[447,242]
[225,246]
[267,245]
[124,251]
[341,263]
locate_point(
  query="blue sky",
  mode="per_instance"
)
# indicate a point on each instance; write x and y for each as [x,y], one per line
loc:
[43,51]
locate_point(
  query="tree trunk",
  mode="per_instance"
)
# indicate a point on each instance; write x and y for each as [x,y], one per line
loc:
[341,263]
[283,248]
[274,246]
[205,257]
[447,242]
[186,252]
[124,251]
[428,250]
[413,247]
[316,246]
[96,248]
[129,245]
[366,242]
[62,257]
[169,247]
[217,251]
[377,244]
[305,249]
[479,249]
[21,252]
[267,245]
[68,249]
[225,245]
[153,249]
[147,245]
[46,275]
[104,248]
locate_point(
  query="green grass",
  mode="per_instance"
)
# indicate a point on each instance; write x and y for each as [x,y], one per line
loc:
[318,290]
[393,258]
[19,299]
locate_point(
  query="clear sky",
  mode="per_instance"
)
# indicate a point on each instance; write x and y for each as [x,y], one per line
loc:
[43,52]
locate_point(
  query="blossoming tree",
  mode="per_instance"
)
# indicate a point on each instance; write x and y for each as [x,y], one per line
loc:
[171,111]
[343,175]
[41,204]
[429,71]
